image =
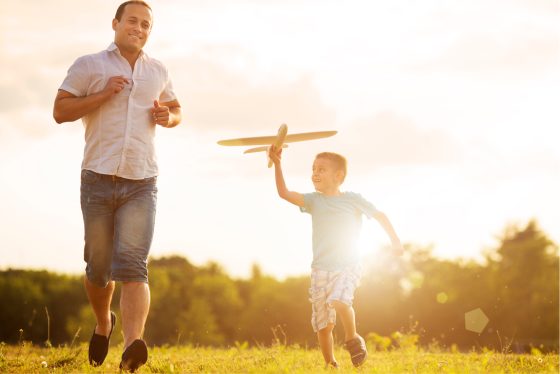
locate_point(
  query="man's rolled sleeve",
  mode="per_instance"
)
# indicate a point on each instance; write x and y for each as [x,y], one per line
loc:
[77,78]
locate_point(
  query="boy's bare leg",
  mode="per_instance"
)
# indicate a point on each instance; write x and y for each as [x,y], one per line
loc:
[348,319]
[100,301]
[135,304]
[325,338]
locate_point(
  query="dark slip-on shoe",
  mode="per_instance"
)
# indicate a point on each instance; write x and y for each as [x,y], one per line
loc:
[99,345]
[134,356]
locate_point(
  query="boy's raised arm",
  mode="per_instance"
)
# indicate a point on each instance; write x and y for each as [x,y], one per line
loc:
[293,197]
[388,227]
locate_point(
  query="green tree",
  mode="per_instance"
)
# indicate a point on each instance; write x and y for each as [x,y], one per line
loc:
[525,284]
[171,280]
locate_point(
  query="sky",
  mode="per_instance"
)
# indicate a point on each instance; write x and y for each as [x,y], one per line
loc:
[447,112]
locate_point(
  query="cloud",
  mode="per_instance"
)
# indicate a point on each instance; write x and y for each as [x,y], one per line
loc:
[496,164]
[251,109]
[545,6]
[388,139]
[27,94]
[495,54]
[35,61]
[30,87]
[518,54]
[221,90]
[31,123]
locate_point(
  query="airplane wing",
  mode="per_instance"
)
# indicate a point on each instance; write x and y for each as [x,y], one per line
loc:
[290,138]
[268,140]
[259,140]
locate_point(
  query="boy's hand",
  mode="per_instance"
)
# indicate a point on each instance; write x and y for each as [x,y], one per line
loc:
[275,154]
[398,249]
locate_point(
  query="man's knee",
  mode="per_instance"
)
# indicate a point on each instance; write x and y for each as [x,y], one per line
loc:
[135,285]
[99,278]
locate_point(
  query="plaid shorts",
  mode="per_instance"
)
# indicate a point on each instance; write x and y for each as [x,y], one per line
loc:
[328,286]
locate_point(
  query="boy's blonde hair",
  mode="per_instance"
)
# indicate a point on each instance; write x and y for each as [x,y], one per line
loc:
[339,161]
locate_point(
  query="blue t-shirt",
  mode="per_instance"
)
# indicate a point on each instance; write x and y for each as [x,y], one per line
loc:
[337,221]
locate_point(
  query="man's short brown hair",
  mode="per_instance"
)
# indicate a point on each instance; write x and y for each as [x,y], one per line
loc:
[120,9]
[339,161]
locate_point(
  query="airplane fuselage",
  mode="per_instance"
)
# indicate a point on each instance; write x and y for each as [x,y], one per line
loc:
[279,142]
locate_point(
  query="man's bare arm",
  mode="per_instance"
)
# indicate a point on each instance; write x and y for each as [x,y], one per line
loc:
[69,107]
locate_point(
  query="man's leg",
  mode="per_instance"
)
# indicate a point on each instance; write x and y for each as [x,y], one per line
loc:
[326,343]
[96,194]
[96,201]
[135,304]
[348,319]
[134,228]
[100,301]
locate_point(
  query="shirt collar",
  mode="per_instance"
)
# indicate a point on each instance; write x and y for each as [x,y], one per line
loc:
[113,47]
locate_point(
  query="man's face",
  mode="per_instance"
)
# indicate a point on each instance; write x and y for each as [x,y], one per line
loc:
[132,31]
[325,176]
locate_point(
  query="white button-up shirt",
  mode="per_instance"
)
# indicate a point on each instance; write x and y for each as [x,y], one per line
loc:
[120,133]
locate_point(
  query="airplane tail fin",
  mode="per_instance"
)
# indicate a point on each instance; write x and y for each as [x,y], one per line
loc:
[261,149]
[257,149]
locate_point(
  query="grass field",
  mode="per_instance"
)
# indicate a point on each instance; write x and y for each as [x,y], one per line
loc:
[26,358]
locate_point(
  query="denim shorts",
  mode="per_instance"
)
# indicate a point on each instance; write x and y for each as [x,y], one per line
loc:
[119,216]
[328,286]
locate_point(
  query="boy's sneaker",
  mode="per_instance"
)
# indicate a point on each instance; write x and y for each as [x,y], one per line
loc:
[332,365]
[357,349]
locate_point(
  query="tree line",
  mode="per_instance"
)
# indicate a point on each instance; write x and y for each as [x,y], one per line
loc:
[418,295]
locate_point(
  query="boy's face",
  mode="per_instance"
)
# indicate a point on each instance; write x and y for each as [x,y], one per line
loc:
[325,177]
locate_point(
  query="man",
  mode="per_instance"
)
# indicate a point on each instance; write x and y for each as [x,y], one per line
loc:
[121,94]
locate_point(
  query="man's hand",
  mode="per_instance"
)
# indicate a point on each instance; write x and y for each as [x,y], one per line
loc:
[115,85]
[160,114]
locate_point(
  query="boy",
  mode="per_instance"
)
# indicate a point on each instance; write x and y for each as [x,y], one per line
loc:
[335,274]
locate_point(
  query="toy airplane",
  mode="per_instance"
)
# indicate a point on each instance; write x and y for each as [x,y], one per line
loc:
[278,140]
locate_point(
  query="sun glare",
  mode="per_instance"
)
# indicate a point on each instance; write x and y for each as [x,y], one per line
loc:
[373,240]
